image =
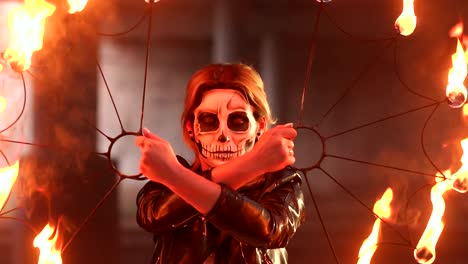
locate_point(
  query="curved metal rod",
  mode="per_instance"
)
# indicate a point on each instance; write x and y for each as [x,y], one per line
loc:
[354,83]
[139,21]
[5,158]
[138,176]
[364,205]
[145,80]
[9,211]
[110,95]
[322,222]
[340,28]
[407,208]
[400,79]
[383,166]
[22,221]
[310,60]
[4,204]
[381,120]
[422,141]
[91,214]
[393,244]
[22,108]
[323,147]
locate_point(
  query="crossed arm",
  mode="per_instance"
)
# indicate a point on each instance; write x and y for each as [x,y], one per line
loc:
[159,164]
[267,222]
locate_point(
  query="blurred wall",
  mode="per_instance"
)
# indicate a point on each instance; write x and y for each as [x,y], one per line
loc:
[361,72]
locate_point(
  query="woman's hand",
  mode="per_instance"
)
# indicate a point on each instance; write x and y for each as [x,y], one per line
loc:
[275,148]
[159,163]
[158,159]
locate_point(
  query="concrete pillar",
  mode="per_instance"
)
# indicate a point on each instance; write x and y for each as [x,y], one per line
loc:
[270,70]
[64,180]
[227,19]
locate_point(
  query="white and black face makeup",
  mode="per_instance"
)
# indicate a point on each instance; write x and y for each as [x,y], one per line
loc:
[224,127]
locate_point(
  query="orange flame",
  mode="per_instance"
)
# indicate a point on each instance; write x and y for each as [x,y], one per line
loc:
[425,250]
[50,251]
[27,25]
[406,22]
[76,5]
[457,30]
[456,92]
[460,178]
[7,179]
[3,104]
[381,209]
[465,111]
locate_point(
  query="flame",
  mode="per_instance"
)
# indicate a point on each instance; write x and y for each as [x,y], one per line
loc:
[3,104]
[465,43]
[7,179]
[456,91]
[425,250]
[406,22]
[457,30]
[50,251]
[76,5]
[381,209]
[465,111]
[27,25]
[460,178]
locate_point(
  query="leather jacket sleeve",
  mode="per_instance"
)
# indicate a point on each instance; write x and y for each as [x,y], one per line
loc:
[267,222]
[159,209]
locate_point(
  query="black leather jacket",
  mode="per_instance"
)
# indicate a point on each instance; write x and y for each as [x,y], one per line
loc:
[251,225]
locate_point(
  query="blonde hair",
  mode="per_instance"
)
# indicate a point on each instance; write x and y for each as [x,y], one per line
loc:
[238,76]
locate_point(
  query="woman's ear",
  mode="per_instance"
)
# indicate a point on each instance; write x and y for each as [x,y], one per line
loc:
[189,128]
[261,126]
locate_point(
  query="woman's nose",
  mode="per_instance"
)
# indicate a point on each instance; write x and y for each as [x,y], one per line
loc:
[223,138]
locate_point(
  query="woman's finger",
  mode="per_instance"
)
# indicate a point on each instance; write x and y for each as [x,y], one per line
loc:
[139,141]
[147,133]
[289,133]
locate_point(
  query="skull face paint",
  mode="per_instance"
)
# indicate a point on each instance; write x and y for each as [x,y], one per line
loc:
[224,127]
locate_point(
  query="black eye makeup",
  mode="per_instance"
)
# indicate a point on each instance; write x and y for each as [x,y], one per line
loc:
[238,121]
[208,122]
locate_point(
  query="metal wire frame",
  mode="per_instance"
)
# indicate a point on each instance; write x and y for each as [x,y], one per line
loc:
[433,104]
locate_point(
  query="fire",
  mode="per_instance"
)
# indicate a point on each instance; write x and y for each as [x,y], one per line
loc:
[456,92]
[3,104]
[7,179]
[460,178]
[457,30]
[154,1]
[381,209]
[27,25]
[425,250]
[76,5]
[50,251]
[406,22]
[465,111]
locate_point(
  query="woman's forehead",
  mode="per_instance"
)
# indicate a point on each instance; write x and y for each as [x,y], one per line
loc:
[216,98]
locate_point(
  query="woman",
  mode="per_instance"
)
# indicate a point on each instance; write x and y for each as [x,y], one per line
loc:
[238,202]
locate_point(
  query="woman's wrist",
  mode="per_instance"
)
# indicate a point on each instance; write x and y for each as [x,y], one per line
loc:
[239,171]
[253,163]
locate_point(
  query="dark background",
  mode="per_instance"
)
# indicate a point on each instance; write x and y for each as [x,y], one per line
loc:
[361,71]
